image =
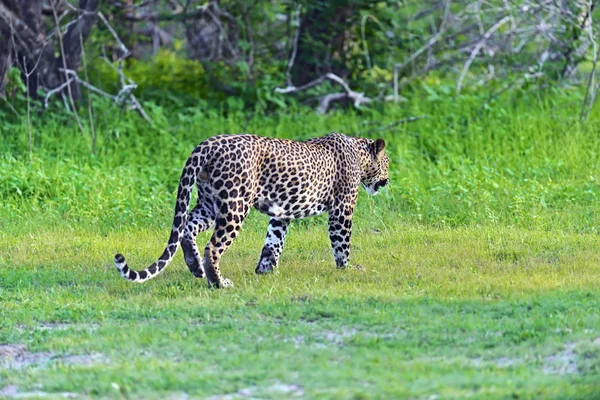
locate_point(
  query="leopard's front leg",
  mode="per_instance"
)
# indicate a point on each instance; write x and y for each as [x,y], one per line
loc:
[269,257]
[340,231]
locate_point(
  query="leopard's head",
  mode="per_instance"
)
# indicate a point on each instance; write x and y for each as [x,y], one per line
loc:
[375,172]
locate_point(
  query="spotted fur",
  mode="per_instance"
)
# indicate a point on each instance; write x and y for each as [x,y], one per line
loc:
[284,179]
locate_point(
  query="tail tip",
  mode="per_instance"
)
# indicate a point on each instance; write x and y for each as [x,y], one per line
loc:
[119,259]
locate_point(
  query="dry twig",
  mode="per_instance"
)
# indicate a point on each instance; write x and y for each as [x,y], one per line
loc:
[476,50]
[357,98]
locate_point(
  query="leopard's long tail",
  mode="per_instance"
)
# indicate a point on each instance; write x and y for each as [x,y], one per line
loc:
[186,183]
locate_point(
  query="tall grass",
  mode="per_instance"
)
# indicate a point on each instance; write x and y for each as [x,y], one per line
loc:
[527,162]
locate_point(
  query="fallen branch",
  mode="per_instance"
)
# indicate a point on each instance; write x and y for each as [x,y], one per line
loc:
[89,86]
[291,88]
[357,98]
[119,99]
[326,100]
[57,89]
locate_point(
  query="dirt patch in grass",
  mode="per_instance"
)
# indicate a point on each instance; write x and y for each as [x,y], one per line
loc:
[13,392]
[59,326]
[12,350]
[501,362]
[341,336]
[281,390]
[336,338]
[562,363]
[16,356]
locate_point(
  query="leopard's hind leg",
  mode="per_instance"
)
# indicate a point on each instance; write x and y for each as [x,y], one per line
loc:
[230,217]
[200,219]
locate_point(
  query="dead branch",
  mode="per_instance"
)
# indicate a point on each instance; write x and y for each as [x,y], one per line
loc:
[357,98]
[430,43]
[325,101]
[56,90]
[112,31]
[291,88]
[477,49]
[73,76]
[121,98]
[127,84]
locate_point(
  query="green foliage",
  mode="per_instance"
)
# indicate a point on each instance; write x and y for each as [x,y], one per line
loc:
[14,83]
[167,79]
[174,82]
[13,99]
[363,41]
[467,163]
[180,79]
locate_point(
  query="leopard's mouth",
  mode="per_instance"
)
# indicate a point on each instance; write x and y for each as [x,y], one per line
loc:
[373,189]
[380,184]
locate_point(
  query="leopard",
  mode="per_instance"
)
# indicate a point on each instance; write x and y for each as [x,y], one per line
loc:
[282,178]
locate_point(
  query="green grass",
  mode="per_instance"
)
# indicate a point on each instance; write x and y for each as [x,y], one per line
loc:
[479,312]
[481,263]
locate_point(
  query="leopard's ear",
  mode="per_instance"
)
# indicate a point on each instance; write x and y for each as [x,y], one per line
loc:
[378,147]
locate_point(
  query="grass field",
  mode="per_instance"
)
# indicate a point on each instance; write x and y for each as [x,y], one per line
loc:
[480,278]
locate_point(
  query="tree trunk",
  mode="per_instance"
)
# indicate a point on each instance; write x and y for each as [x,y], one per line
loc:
[34,55]
[324,32]
[6,50]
